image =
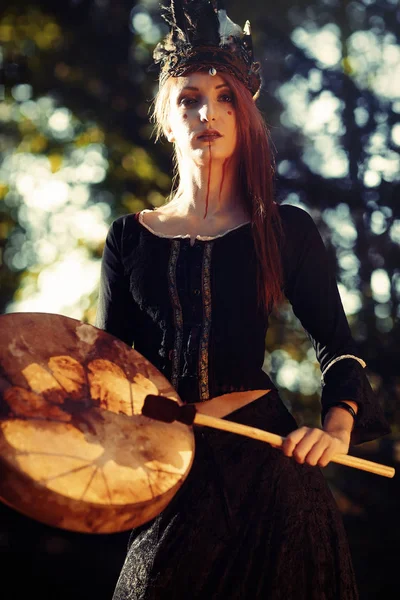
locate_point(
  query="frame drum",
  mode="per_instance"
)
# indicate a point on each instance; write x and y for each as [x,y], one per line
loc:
[75,451]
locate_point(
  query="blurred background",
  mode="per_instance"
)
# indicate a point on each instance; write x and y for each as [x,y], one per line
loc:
[77,151]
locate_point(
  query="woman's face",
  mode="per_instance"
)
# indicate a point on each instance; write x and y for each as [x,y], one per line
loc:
[202,118]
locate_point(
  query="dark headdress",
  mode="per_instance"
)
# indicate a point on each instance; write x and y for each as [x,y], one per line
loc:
[203,38]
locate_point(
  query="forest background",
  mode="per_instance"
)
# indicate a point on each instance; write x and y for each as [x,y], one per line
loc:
[77,151]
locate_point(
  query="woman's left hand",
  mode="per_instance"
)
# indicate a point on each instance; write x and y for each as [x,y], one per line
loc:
[315,446]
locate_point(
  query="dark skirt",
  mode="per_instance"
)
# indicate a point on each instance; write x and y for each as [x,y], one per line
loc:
[248,523]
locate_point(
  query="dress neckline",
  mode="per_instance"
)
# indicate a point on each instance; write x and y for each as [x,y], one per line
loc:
[202,238]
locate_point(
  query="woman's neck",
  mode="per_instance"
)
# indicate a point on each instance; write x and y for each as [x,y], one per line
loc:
[208,192]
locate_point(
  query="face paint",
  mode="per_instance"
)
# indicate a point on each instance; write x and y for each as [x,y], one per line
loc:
[229,112]
[209,178]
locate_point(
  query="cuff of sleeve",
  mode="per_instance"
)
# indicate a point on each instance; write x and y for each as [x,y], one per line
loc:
[346,380]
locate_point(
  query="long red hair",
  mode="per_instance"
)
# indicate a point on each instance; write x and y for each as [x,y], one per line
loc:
[255,179]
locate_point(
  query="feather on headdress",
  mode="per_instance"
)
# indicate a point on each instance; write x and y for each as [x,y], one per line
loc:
[203,38]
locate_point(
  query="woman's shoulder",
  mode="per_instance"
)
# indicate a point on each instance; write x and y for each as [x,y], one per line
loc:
[124,222]
[124,225]
[300,234]
[297,224]
[124,232]
[294,215]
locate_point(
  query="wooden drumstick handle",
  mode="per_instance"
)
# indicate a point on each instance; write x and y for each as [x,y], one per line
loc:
[277,440]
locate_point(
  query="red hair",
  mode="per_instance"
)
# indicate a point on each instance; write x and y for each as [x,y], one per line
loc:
[255,179]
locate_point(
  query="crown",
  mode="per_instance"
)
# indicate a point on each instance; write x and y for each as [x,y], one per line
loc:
[203,38]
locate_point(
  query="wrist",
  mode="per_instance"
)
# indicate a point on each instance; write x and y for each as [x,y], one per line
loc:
[340,420]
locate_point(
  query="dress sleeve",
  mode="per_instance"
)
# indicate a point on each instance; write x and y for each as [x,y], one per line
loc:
[311,288]
[115,309]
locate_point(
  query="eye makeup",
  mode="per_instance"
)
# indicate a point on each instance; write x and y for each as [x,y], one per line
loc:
[186,101]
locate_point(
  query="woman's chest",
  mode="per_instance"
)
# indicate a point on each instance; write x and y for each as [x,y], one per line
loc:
[219,274]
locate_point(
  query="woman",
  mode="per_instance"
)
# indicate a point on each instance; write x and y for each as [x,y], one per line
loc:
[191,284]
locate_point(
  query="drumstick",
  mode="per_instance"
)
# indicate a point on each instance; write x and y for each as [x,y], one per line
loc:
[167,410]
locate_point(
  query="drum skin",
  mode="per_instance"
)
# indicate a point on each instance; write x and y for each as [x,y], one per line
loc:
[75,451]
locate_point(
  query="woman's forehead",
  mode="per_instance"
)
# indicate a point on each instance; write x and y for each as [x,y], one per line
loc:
[199,81]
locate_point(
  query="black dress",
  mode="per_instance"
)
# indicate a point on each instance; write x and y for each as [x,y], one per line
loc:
[248,523]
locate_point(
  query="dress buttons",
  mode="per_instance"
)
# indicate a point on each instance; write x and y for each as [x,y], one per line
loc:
[196,292]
